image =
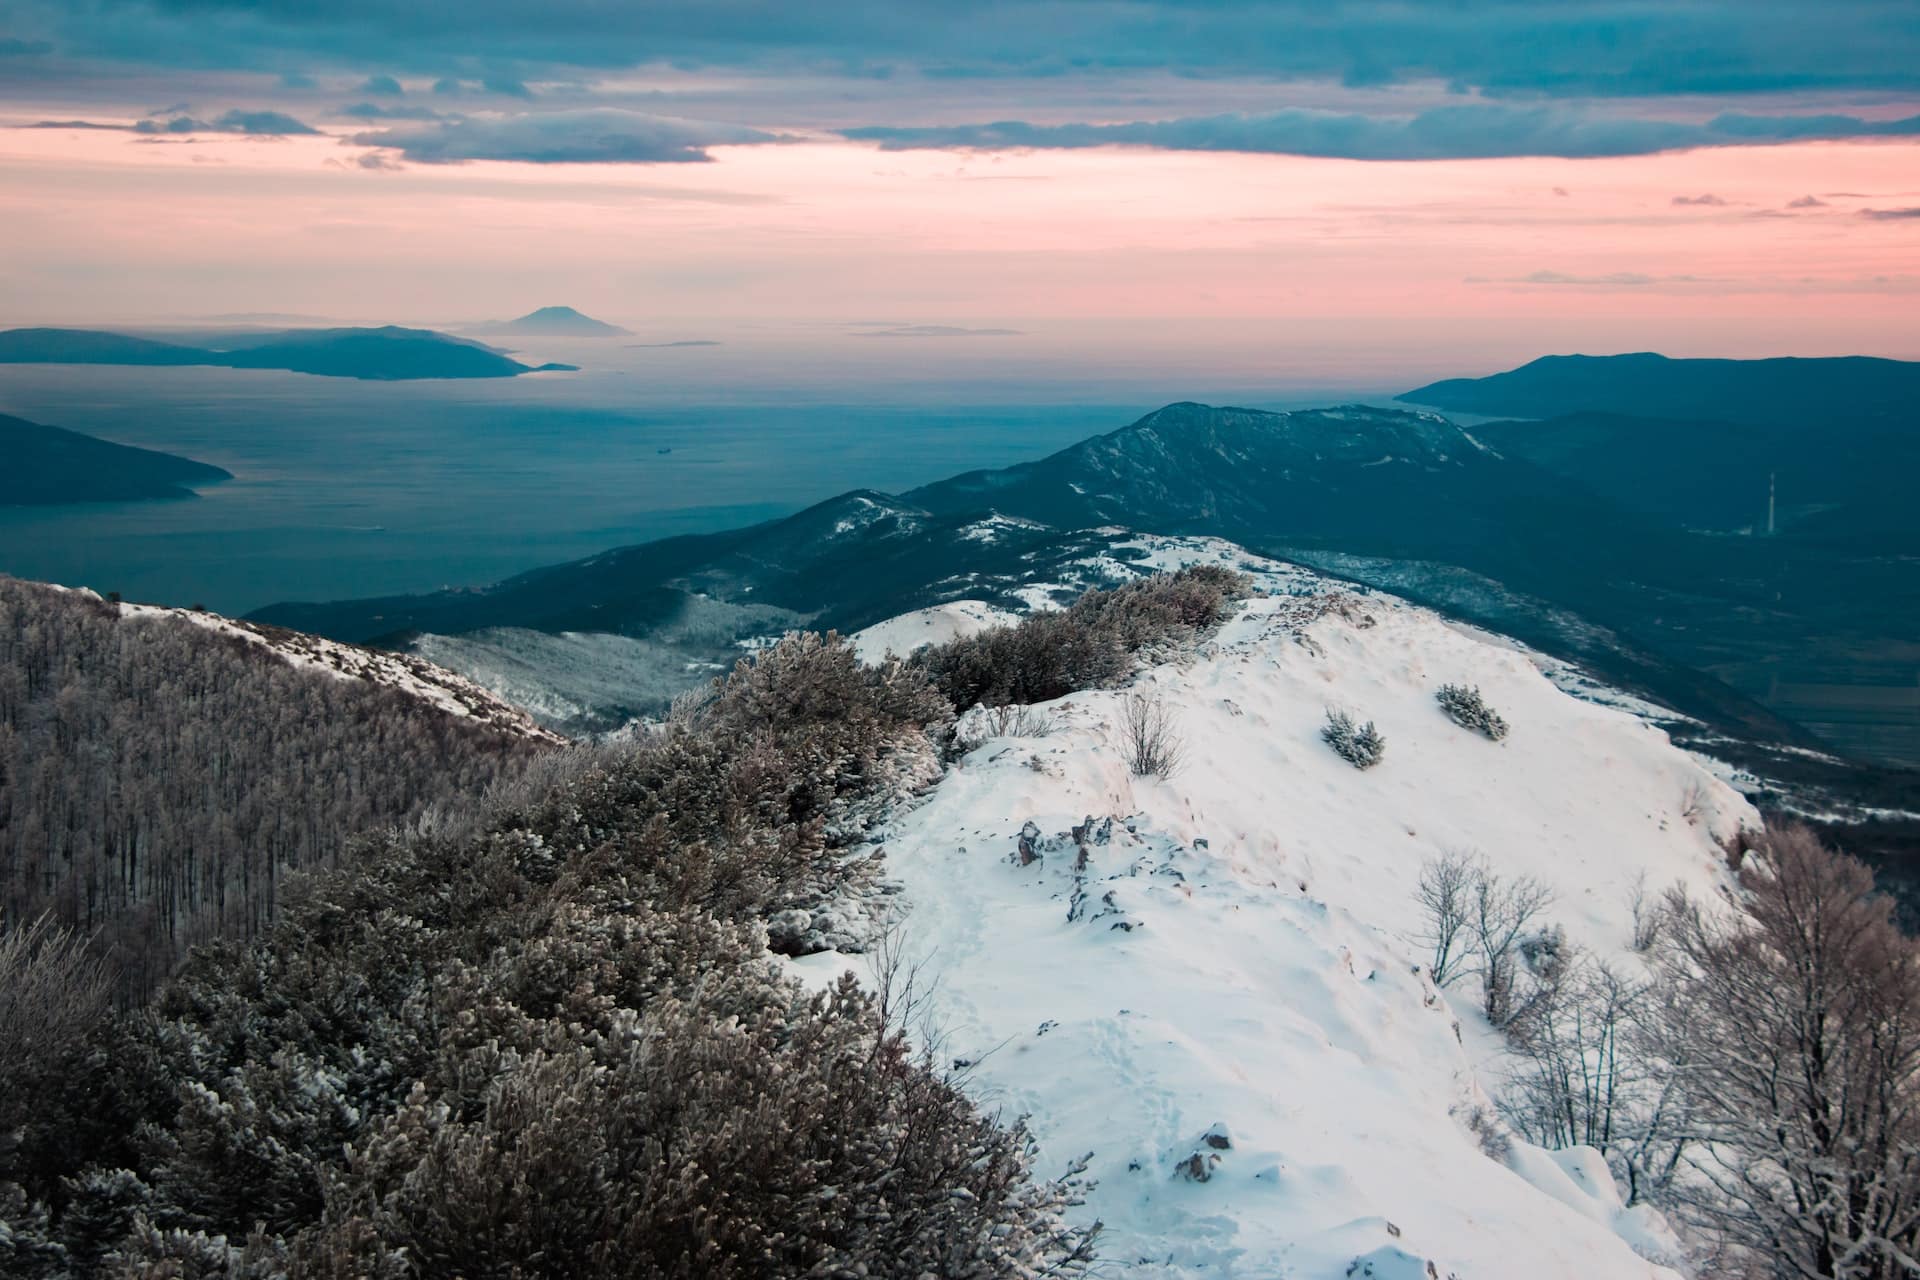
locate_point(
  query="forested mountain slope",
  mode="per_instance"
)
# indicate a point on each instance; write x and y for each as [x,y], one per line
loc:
[161,771]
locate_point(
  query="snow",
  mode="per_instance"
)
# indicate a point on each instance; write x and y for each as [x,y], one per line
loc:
[454,694]
[909,632]
[991,528]
[1241,950]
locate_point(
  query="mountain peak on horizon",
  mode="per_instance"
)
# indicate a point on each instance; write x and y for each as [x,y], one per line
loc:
[554,321]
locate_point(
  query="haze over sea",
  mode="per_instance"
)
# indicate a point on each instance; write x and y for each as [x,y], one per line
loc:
[346,488]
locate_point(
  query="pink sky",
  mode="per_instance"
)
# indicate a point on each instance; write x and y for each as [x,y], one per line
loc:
[1587,253]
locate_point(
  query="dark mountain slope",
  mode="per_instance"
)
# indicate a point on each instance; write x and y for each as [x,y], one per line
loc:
[843,563]
[1790,392]
[1366,481]
[1846,481]
[51,464]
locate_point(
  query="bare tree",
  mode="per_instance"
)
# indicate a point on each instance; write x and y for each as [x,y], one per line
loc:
[1589,1072]
[1015,720]
[1477,922]
[1693,801]
[1649,915]
[1446,890]
[1151,737]
[1798,1023]
[1502,913]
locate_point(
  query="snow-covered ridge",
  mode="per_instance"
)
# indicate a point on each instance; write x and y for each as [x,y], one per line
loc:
[415,676]
[1217,975]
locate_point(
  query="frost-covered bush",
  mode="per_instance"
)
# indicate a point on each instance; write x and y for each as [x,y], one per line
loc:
[1359,745]
[1094,643]
[553,1043]
[1466,708]
[676,1144]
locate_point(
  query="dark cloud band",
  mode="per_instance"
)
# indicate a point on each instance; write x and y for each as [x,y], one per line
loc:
[1444,133]
[1568,48]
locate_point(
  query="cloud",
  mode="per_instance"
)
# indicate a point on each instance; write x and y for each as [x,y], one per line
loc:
[76,124]
[600,135]
[257,124]
[1719,286]
[1630,279]
[1562,277]
[506,86]
[1807,202]
[1709,199]
[1567,49]
[375,111]
[1391,79]
[1454,132]
[1890,215]
[936,331]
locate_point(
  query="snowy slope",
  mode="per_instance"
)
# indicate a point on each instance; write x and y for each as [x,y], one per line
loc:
[910,632]
[1241,954]
[416,677]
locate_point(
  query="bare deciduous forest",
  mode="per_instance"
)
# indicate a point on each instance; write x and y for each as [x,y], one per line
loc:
[158,779]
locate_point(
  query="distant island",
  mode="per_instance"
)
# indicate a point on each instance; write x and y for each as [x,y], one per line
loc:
[49,465]
[660,346]
[552,322]
[389,353]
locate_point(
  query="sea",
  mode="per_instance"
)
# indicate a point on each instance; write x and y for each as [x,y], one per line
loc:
[344,488]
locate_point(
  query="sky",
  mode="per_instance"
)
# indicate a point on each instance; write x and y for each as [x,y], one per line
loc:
[1710,177]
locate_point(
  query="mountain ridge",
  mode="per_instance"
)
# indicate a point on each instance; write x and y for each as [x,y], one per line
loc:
[1778,391]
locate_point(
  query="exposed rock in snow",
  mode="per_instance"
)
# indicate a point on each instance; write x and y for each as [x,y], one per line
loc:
[1223,1000]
